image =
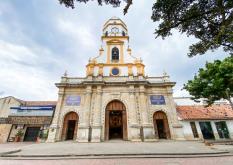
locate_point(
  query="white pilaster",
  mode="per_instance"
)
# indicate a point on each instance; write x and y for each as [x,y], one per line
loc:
[55,129]
[134,130]
[83,129]
[216,135]
[96,127]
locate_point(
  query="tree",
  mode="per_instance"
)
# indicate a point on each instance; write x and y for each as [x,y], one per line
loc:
[114,3]
[214,82]
[210,21]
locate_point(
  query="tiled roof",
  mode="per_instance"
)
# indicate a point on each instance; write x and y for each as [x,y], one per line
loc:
[39,103]
[199,112]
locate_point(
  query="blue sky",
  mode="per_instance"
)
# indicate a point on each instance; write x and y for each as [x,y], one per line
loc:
[40,39]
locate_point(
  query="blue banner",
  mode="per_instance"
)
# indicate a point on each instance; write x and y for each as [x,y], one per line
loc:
[157,100]
[34,108]
[73,100]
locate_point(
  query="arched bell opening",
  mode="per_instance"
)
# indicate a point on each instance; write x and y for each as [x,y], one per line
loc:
[115,54]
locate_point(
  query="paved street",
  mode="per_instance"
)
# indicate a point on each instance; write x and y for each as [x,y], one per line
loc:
[113,148]
[144,161]
[72,151]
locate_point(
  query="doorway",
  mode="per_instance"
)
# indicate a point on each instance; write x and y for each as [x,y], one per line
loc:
[115,125]
[161,125]
[161,129]
[206,130]
[31,134]
[115,121]
[70,126]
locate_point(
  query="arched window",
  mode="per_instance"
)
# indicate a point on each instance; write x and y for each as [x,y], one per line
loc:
[115,54]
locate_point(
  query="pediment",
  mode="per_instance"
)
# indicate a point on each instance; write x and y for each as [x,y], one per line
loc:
[115,41]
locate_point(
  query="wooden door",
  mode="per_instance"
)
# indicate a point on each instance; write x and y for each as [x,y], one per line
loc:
[71,117]
[161,125]
[115,106]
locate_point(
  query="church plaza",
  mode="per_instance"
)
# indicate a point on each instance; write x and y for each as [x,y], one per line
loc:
[115,111]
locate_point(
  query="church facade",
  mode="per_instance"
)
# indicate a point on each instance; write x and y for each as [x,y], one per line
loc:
[115,100]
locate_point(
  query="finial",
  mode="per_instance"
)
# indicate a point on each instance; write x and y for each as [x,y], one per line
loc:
[65,74]
[140,59]
[164,73]
[101,46]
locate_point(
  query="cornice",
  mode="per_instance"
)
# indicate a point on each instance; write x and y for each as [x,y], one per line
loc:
[121,83]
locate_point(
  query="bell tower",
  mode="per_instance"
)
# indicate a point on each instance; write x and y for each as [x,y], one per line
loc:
[115,57]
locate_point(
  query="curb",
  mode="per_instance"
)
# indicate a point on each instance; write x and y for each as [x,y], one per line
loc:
[10,152]
[115,156]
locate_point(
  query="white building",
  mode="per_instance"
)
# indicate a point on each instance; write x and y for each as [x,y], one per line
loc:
[115,99]
[200,122]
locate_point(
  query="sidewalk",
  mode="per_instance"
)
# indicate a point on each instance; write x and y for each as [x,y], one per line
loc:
[111,148]
[12,147]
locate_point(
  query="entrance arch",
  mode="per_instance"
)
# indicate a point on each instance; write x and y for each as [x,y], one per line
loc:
[161,125]
[115,121]
[70,126]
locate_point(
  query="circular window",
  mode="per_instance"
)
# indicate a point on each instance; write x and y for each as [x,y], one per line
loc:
[115,71]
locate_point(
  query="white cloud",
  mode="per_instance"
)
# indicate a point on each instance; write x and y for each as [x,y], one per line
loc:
[21,74]
[32,60]
[19,53]
[80,33]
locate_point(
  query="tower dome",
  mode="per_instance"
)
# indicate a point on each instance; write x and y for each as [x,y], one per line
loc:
[115,27]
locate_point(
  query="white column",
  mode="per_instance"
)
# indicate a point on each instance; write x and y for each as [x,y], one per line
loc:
[143,107]
[55,129]
[134,127]
[229,124]
[216,135]
[132,108]
[148,129]
[176,128]
[96,127]
[199,130]
[83,128]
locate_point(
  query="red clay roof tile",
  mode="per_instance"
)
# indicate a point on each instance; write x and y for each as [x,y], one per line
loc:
[199,112]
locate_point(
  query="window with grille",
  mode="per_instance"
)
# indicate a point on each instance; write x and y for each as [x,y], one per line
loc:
[115,54]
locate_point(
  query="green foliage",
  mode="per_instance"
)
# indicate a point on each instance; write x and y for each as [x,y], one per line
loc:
[213,82]
[19,133]
[44,134]
[210,21]
[114,3]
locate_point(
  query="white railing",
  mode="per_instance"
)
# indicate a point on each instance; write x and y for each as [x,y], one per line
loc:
[79,80]
[155,79]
